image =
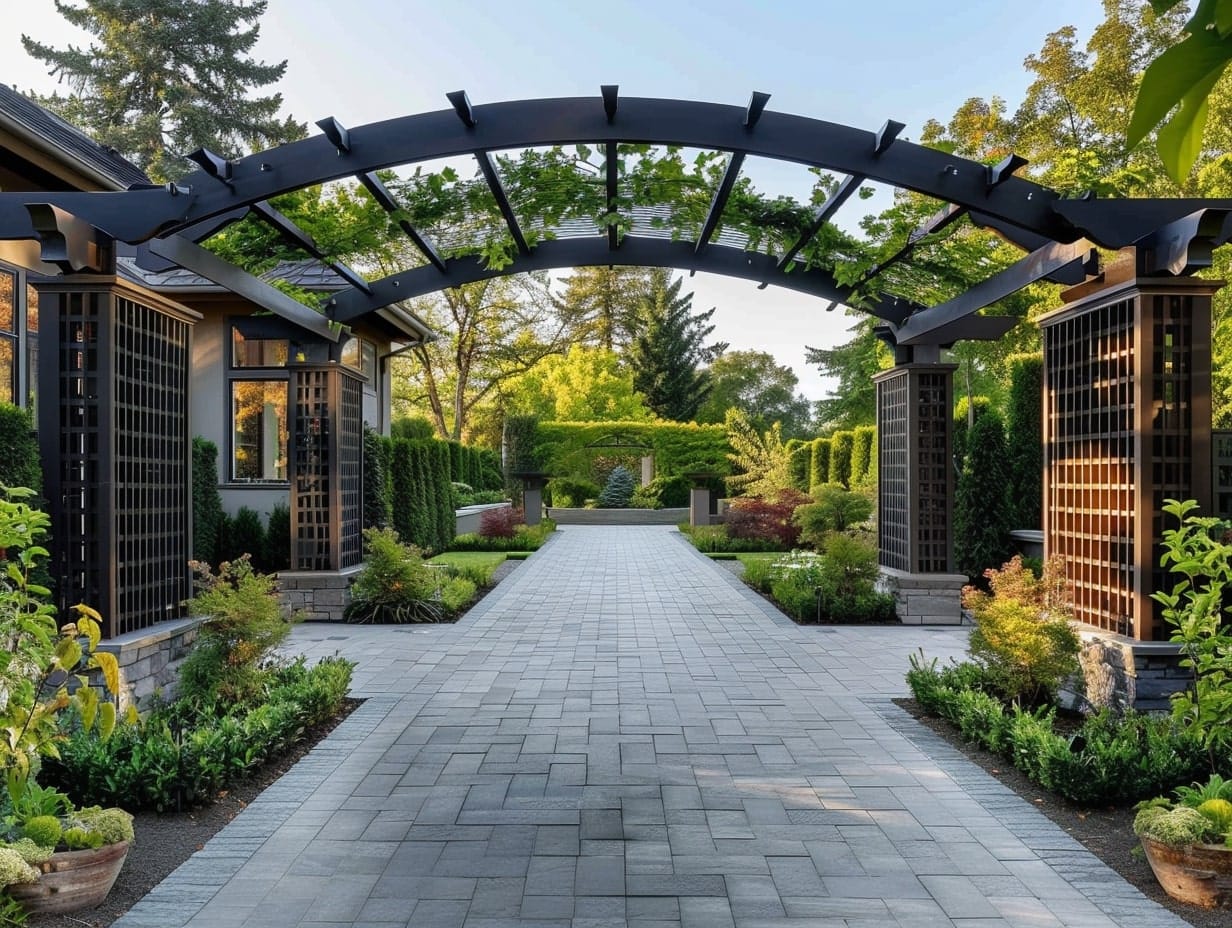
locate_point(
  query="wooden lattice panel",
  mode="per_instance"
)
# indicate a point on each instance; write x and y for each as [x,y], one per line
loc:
[932,467]
[115,446]
[915,480]
[1090,386]
[1127,426]
[894,508]
[351,469]
[151,455]
[327,461]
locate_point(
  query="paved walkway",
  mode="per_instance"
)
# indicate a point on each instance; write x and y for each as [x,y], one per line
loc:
[622,734]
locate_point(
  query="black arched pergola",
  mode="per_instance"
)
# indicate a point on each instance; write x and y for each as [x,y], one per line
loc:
[1058,234]
[1104,342]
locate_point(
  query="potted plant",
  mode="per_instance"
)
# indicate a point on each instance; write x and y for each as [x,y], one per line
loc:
[53,857]
[1187,843]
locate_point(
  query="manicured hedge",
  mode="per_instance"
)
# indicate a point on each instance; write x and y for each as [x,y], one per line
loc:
[864,439]
[819,463]
[840,458]
[678,447]
[1024,439]
[801,460]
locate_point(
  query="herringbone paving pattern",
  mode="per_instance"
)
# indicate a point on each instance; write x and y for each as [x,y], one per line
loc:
[622,734]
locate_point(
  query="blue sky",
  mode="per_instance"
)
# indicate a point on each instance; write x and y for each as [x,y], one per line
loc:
[853,63]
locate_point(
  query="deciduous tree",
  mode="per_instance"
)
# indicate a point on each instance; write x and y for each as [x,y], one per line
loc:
[764,390]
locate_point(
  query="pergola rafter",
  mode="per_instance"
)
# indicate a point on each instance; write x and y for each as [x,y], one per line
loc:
[1025,213]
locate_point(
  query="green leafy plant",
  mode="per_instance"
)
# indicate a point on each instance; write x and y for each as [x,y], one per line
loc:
[1174,827]
[834,509]
[244,623]
[1197,553]
[1022,634]
[396,585]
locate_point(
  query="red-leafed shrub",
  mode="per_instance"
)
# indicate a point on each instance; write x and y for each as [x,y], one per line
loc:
[767,520]
[500,523]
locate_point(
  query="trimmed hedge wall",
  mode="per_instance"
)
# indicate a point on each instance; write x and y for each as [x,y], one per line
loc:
[801,461]
[819,463]
[678,447]
[414,485]
[841,444]
[864,438]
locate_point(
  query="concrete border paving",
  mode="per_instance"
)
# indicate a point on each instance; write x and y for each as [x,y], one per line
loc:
[622,734]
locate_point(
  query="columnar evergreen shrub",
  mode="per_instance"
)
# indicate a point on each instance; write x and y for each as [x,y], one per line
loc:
[206,500]
[862,443]
[980,405]
[423,520]
[819,463]
[840,458]
[457,466]
[446,521]
[801,458]
[403,487]
[377,458]
[278,538]
[619,489]
[981,507]
[1025,440]
[413,428]
[246,535]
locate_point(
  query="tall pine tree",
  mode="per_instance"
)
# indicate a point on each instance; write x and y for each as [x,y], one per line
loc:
[165,77]
[666,354]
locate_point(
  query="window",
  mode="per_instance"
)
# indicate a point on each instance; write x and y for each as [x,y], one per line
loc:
[258,352]
[8,337]
[32,324]
[259,439]
[361,356]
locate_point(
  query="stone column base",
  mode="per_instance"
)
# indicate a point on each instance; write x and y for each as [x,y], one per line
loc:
[699,506]
[1121,673]
[924,599]
[317,595]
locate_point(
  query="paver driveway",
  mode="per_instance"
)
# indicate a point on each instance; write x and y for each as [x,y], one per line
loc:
[623,734]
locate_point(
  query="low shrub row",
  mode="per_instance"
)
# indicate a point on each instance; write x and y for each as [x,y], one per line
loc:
[836,584]
[524,538]
[177,756]
[1107,759]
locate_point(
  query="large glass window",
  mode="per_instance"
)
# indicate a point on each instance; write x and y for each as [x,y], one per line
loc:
[259,442]
[361,356]
[8,337]
[258,352]
[32,323]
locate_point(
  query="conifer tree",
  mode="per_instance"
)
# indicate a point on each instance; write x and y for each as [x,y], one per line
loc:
[666,355]
[981,506]
[619,489]
[165,77]
[1025,440]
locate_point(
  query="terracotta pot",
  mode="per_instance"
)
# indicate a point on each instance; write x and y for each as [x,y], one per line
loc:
[72,880]
[1200,874]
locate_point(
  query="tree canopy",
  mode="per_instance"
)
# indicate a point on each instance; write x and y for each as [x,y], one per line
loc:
[165,77]
[764,390]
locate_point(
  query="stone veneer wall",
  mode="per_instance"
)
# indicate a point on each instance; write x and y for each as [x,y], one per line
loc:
[317,596]
[618,516]
[924,599]
[150,659]
[1120,672]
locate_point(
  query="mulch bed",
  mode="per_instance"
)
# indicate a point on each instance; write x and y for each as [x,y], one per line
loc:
[165,841]
[1106,833]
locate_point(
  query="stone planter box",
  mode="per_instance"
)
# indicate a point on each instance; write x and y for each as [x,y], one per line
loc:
[466,519]
[618,516]
[1199,874]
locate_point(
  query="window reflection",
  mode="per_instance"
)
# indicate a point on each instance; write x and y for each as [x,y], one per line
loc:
[259,414]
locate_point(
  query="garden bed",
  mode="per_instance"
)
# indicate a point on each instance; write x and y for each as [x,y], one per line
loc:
[1106,832]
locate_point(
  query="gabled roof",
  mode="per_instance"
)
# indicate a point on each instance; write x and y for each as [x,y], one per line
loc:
[47,131]
[396,322]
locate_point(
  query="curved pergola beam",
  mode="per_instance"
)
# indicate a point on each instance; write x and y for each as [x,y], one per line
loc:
[583,120]
[350,304]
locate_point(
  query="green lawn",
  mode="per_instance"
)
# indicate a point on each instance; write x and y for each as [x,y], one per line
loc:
[488,560]
[748,557]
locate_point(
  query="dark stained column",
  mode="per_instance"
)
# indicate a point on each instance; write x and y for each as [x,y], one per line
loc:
[1127,425]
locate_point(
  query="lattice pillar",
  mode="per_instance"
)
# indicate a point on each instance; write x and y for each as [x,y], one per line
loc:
[1127,419]
[327,467]
[915,489]
[115,448]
